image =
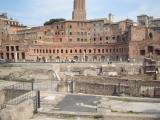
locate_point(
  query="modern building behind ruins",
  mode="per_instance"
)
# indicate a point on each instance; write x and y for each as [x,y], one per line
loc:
[80,39]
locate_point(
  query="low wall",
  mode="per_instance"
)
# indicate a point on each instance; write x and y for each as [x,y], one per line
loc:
[13,93]
[112,87]
[96,116]
[21,111]
[130,117]
[94,88]
[2,97]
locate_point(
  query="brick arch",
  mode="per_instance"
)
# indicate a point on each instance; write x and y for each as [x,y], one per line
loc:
[75,58]
[94,58]
[103,58]
[57,59]
[150,35]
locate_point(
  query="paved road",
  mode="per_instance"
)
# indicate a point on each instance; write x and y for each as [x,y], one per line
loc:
[78,103]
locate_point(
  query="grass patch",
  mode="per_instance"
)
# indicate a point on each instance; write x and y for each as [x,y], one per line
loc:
[114,111]
[6,65]
[132,112]
[98,116]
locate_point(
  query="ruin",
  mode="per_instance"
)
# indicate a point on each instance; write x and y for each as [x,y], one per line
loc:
[80,69]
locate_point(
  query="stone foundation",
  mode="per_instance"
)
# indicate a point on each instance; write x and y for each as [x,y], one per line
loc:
[21,111]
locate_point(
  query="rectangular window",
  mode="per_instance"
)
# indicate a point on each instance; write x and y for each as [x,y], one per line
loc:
[102,50]
[12,48]
[12,55]
[7,48]
[142,52]
[1,56]
[94,50]
[78,39]
[157,52]
[7,54]
[60,39]
[17,48]
[150,49]
[18,56]
[70,40]
[99,51]
[23,56]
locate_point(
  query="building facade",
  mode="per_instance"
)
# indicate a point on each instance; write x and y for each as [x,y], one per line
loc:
[81,40]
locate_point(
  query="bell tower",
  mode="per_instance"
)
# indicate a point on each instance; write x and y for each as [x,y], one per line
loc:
[79,10]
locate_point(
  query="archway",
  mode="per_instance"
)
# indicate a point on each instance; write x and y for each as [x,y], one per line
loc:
[117,58]
[86,58]
[150,35]
[76,58]
[57,59]
[102,58]
[94,58]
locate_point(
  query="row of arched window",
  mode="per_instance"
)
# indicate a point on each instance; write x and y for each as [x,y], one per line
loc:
[75,51]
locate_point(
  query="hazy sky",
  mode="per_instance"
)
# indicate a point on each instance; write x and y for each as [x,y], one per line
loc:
[36,12]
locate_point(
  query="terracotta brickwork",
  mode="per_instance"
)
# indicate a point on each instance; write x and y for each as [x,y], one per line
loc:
[97,40]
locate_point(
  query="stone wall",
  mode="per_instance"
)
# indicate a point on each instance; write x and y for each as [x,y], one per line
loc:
[93,116]
[21,111]
[112,87]
[2,97]
[130,117]
[12,93]
[93,88]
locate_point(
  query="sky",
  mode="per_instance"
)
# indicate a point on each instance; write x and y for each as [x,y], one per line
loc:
[36,12]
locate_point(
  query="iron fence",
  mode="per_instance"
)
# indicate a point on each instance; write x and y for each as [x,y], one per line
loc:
[18,100]
[21,86]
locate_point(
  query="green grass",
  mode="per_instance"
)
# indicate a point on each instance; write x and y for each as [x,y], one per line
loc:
[114,111]
[6,65]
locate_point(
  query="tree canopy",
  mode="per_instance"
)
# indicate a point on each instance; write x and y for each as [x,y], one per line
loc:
[51,21]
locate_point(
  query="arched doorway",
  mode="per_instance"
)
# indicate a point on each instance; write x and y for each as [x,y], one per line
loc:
[57,59]
[86,58]
[76,58]
[43,59]
[150,35]
[94,58]
[102,58]
[117,58]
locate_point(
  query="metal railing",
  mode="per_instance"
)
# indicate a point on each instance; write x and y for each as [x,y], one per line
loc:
[18,100]
[20,86]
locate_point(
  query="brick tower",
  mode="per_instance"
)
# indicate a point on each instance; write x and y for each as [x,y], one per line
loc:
[79,12]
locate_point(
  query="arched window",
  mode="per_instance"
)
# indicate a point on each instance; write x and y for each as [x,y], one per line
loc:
[80,51]
[150,35]
[76,58]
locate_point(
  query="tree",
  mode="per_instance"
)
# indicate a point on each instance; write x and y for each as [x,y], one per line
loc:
[51,21]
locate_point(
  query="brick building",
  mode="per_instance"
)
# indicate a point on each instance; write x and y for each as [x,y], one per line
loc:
[82,40]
